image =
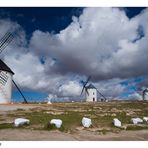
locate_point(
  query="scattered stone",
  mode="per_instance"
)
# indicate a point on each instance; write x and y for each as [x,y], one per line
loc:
[145,119]
[79,128]
[54,113]
[113,115]
[20,122]
[86,122]
[136,120]
[124,127]
[128,114]
[114,110]
[56,122]
[116,122]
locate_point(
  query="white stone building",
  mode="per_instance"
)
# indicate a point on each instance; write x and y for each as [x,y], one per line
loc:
[91,96]
[5,83]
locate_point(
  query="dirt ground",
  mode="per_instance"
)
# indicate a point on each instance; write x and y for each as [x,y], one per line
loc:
[32,135]
[80,134]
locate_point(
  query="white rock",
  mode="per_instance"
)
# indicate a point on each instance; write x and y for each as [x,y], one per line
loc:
[145,119]
[56,122]
[116,122]
[86,122]
[20,121]
[136,120]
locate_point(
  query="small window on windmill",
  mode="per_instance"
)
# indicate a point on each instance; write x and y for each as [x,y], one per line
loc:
[93,93]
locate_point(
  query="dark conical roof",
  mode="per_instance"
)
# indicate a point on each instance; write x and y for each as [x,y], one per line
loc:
[4,67]
[90,86]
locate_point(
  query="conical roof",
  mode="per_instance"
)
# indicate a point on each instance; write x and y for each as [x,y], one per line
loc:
[90,86]
[4,67]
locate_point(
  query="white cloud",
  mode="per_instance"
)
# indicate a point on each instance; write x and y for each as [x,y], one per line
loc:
[135,96]
[111,88]
[71,88]
[96,43]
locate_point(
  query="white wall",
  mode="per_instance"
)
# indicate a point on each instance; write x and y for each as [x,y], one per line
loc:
[6,90]
[92,94]
[146,96]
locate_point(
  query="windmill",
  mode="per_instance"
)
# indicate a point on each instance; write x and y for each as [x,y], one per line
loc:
[145,94]
[6,73]
[91,91]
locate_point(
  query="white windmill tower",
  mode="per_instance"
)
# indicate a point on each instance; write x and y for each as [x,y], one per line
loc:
[145,94]
[91,91]
[6,74]
[5,83]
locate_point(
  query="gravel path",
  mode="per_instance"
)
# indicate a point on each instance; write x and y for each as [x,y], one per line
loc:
[35,135]
[10,107]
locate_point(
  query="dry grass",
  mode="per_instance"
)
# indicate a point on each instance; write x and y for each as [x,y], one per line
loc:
[71,114]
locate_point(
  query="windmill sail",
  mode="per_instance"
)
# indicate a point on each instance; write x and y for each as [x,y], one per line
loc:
[3,78]
[101,94]
[25,101]
[84,85]
[5,40]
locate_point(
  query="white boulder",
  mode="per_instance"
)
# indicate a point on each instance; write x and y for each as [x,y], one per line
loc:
[20,122]
[145,119]
[56,122]
[136,120]
[116,122]
[86,122]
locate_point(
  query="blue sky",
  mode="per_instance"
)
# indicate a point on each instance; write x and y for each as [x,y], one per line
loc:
[53,42]
[49,18]
[52,19]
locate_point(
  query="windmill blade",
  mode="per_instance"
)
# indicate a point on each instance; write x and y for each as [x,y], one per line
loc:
[6,39]
[3,78]
[84,84]
[87,80]
[25,101]
[86,91]
[3,39]
[82,90]
[5,44]
[101,94]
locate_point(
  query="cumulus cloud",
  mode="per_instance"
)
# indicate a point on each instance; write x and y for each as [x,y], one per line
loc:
[70,89]
[134,96]
[111,88]
[101,42]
